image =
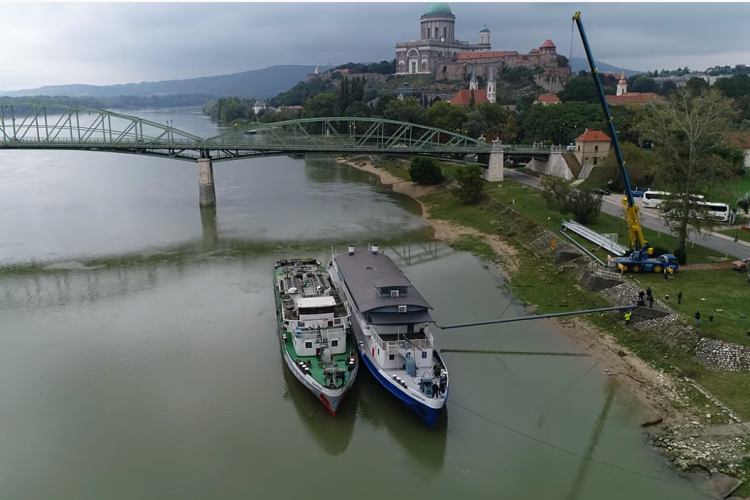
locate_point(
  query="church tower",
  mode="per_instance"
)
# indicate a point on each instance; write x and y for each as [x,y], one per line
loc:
[622,85]
[473,82]
[491,86]
[484,39]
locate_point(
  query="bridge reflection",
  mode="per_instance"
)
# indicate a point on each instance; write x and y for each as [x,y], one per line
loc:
[86,280]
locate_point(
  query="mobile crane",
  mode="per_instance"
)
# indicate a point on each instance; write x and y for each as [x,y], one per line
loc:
[640,260]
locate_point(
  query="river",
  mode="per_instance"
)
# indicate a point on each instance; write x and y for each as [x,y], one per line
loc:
[139,357]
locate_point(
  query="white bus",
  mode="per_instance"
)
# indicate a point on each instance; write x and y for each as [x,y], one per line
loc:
[652,199]
[716,211]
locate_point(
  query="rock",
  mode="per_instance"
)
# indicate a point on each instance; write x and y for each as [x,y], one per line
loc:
[622,353]
[532,309]
[652,420]
[720,485]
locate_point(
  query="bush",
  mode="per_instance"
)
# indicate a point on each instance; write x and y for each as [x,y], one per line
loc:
[470,187]
[681,256]
[556,192]
[425,171]
[584,205]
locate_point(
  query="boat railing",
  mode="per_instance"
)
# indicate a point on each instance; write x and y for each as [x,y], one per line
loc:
[393,346]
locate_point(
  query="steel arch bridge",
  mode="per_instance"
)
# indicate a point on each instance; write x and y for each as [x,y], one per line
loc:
[59,127]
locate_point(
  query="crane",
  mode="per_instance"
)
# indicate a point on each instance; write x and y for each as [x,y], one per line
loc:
[640,259]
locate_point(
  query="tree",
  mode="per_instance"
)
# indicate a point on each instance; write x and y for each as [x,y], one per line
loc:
[446,116]
[472,100]
[405,110]
[325,104]
[696,86]
[425,171]
[344,95]
[687,130]
[475,124]
[642,83]
[556,191]
[640,164]
[744,202]
[665,88]
[584,205]
[736,87]
[510,129]
[579,88]
[470,186]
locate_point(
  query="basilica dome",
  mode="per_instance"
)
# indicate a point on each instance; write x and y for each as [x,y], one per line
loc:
[438,9]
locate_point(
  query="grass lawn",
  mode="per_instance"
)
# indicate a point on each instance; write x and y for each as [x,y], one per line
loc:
[741,235]
[529,201]
[723,294]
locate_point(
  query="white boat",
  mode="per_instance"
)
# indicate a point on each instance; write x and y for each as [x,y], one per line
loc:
[313,324]
[391,326]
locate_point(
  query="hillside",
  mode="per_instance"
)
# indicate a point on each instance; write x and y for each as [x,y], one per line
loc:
[263,83]
[580,63]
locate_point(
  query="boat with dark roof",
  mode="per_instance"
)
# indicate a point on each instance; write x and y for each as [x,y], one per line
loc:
[391,326]
[313,325]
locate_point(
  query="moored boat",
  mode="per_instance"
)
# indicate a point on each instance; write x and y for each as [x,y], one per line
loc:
[391,326]
[313,329]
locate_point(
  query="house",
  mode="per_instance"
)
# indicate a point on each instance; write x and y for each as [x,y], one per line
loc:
[463,97]
[591,147]
[547,99]
[624,97]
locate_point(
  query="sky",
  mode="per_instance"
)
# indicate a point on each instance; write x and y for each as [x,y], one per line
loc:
[109,43]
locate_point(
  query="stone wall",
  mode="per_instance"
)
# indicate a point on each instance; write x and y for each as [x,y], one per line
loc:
[720,355]
[555,166]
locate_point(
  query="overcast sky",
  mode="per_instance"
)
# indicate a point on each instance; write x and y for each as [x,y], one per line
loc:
[47,44]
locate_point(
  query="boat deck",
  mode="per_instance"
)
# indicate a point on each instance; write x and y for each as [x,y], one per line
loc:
[394,337]
[316,367]
[413,382]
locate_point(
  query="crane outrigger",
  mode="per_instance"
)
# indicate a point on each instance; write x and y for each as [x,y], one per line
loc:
[640,259]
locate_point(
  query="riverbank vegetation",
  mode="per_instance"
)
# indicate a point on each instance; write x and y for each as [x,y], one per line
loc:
[114,102]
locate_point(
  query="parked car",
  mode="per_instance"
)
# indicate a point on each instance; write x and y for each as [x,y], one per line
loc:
[638,192]
[740,265]
[601,192]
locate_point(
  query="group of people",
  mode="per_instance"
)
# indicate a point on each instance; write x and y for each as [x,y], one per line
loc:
[648,295]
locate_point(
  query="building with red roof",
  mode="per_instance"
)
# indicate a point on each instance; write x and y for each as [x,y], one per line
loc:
[547,99]
[591,147]
[463,97]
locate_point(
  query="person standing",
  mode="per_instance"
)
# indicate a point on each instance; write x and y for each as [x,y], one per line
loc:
[666,271]
[628,314]
[697,318]
[651,301]
[648,293]
[679,298]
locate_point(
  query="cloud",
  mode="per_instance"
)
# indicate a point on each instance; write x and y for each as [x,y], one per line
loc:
[101,43]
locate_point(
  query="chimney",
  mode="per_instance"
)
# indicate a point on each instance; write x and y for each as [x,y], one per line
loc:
[374,249]
[351,249]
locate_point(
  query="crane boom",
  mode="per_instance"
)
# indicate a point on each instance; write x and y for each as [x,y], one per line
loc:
[635,231]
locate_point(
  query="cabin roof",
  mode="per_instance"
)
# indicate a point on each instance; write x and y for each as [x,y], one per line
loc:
[324,301]
[363,270]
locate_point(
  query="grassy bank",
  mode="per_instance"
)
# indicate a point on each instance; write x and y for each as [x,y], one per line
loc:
[538,282]
[741,235]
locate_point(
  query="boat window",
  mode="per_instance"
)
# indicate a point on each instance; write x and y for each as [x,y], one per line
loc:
[334,343]
[316,310]
[391,357]
[424,354]
[337,321]
[308,345]
[301,324]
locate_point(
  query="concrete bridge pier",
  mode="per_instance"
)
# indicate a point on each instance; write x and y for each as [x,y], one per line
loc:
[494,172]
[206,190]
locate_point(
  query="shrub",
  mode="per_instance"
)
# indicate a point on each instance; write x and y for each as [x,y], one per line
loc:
[584,205]
[470,187]
[681,256]
[556,192]
[425,171]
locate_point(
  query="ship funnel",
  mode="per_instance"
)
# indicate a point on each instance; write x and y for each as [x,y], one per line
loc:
[375,249]
[351,249]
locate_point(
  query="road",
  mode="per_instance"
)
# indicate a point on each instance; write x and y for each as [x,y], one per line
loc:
[649,219]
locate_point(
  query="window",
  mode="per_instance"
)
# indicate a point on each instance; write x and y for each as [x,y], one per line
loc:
[301,324]
[424,354]
[378,351]
[579,149]
[337,321]
[391,357]
[335,343]
[308,345]
[596,148]
[445,32]
[595,159]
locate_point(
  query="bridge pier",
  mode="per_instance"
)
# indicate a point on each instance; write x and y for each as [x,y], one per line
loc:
[494,172]
[206,190]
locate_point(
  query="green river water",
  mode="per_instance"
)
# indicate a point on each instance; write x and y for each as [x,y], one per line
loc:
[139,356]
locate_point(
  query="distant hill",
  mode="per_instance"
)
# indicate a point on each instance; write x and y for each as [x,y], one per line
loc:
[581,63]
[263,83]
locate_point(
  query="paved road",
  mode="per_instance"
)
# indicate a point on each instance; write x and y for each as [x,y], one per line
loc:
[650,219]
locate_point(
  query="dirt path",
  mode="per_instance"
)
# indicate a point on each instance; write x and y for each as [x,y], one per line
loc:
[651,388]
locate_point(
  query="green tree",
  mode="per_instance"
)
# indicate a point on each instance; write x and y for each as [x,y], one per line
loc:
[510,129]
[561,123]
[665,88]
[584,205]
[687,131]
[556,192]
[744,202]
[696,86]
[470,186]
[475,124]
[321,105]
[425,171]
[640,164]
[736,86]
[579,88]
[344,95]
[405,110]
[641,83]
[446,116]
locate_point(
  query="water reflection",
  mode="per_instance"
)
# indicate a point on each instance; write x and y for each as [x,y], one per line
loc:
[210,227]
[425,447]
[332,433]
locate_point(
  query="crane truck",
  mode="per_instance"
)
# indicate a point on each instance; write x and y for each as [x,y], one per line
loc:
[640,260]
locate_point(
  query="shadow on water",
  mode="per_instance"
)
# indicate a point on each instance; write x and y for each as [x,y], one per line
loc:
[332,433]
[425,447]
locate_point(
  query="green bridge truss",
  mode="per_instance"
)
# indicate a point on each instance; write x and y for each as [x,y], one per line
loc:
[58,127]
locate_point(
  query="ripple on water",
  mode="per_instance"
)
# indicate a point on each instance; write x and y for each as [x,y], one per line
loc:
[71,266]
